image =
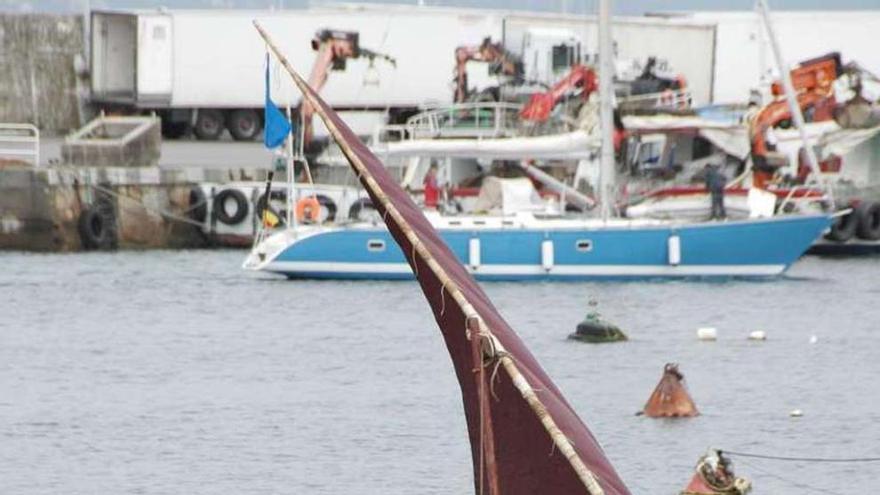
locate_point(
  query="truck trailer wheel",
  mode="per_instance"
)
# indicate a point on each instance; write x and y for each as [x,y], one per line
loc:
[209,124]
[244,125]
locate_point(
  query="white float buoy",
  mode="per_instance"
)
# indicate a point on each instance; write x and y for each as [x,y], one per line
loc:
[758,335]
[796,413]
[707,333]
[814,339]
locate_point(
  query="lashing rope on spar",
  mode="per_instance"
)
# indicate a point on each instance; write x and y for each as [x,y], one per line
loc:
[443,298]
[415,259]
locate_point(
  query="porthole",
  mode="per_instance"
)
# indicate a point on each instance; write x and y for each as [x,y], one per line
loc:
[583,245]
[376,245]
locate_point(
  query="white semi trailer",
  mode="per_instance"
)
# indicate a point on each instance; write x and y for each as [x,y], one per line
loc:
[204,69]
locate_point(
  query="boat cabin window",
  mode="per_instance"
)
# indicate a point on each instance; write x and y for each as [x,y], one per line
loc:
[584,245]
[376,245]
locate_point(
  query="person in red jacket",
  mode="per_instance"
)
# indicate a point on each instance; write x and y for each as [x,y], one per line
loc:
[432,187]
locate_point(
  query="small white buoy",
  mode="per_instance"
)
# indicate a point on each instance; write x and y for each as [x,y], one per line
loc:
[707,333]
[758,335]
[814,339]
[796,413]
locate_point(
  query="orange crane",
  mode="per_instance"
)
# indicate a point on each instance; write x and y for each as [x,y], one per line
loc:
[540,105]
[501,62]
[334,47]
[813,80]
[585,79]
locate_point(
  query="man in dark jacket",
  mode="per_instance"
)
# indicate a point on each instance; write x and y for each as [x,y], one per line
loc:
[715,182]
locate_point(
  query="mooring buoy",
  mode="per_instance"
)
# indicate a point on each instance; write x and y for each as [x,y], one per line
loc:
[707,333]
[596,330]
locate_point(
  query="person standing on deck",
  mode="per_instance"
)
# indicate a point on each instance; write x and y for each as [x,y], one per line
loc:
[715,182]
[432,187]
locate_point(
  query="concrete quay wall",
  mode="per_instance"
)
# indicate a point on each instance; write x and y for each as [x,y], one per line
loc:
[43,209]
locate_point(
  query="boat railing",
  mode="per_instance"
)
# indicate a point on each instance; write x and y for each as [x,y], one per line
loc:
[791,198]
[668,100]
[475,120]
[20,142]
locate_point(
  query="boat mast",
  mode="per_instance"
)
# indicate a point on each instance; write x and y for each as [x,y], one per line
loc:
[791,96]
[606,119]
[291,178]
[762,48]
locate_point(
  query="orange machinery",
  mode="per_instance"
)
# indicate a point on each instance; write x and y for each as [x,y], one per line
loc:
[501,62]
[813,80]
[540,105]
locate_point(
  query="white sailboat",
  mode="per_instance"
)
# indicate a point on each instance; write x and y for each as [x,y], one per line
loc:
[529,246]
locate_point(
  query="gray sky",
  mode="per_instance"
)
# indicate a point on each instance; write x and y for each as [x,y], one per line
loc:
[630,7]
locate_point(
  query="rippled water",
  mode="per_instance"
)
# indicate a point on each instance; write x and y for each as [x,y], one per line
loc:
[176,372]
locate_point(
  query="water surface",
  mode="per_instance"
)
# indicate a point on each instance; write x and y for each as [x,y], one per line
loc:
[176,372]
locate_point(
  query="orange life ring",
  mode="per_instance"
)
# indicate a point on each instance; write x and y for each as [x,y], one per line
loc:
[308,209]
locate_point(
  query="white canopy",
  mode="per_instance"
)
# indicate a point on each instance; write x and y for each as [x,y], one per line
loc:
[508,196]
[830,137]
[733,139]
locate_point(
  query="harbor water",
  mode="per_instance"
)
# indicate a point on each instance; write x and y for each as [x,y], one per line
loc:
[177,372]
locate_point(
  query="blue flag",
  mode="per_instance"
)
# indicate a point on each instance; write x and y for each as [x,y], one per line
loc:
[276,126]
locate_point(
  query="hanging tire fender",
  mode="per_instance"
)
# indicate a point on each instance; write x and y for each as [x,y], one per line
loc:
[198,204]
[96,226]
[241,206]
[844,227]
[354,211]
[329,205]
[868,220]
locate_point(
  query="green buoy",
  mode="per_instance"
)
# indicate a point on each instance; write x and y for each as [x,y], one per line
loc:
[596,330]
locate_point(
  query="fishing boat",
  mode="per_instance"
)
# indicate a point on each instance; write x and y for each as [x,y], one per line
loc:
[525,437]
[535,245]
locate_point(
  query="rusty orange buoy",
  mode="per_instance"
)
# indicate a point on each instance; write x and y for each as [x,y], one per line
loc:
[670,398]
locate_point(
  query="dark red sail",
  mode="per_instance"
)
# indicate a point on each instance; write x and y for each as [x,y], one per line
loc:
[525,438]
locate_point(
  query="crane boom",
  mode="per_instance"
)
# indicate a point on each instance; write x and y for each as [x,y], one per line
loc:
[334,47]
[540,105]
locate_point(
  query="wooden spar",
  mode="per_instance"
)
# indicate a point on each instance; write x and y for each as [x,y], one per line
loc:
[528,393]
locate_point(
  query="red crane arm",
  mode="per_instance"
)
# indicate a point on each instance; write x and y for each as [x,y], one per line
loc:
[540,105]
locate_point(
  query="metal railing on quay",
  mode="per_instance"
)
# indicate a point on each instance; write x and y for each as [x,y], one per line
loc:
[20,140]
